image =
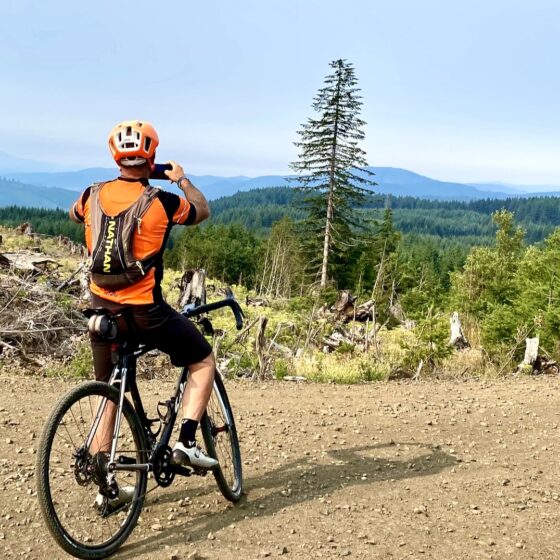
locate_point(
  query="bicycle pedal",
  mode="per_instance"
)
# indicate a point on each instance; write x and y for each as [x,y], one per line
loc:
[199,471]
[182,471]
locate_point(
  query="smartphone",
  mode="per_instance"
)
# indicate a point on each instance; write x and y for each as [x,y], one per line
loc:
[158,172]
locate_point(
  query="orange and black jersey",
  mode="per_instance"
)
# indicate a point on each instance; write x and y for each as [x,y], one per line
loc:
[166,210]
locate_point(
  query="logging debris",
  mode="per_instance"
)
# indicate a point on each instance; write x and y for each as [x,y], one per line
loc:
[34,322]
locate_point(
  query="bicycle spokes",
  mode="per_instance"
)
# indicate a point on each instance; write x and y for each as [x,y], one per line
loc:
[82,501]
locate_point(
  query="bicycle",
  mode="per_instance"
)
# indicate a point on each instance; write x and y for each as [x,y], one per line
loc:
[67,471]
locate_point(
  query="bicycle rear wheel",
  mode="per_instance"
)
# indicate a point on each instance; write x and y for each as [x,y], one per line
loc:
[68,475]
[220,438]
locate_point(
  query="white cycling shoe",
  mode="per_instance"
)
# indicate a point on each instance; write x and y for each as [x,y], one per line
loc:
[191,457]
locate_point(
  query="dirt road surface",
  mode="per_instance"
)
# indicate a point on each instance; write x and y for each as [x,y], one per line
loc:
[442,470]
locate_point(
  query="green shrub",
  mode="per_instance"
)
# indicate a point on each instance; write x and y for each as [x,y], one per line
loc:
[346,348]
[430,343]
[247,363]
[300,303]
[80,366]
[281,369]
[370,372]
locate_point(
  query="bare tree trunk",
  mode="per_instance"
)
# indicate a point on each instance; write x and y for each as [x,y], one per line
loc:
[332,188]
[264,270]
[327,239]
[260,347]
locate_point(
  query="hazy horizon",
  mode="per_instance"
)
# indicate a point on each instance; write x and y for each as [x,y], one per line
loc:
[521,187]
[463,92]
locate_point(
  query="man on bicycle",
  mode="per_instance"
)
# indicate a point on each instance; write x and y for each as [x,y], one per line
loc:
[127,223]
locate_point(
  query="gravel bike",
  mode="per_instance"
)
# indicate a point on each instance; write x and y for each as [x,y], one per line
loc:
[69,474]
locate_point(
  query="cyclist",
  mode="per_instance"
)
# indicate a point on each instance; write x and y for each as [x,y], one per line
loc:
[127,223]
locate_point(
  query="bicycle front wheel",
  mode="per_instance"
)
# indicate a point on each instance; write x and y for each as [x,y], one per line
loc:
[69,474]
[222,444]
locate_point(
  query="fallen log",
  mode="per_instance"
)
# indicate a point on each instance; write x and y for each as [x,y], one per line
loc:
[27,262]
[256,301]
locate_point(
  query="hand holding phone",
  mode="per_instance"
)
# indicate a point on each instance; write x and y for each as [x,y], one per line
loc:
[159,171]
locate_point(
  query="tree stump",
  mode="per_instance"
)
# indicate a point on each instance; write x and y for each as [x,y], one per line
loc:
[193,288]
[344,306]
[25,229]
[364,312]
[457,338]
[531,351]
[534,363]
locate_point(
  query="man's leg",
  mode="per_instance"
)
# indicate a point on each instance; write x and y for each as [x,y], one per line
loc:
[104,434]
[199,388]
[174,334]
[103,366]
[196,396]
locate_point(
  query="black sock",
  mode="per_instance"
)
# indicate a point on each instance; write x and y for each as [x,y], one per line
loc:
[188,430]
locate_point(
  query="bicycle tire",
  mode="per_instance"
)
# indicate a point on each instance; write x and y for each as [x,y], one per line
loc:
[48,475]
[220,437]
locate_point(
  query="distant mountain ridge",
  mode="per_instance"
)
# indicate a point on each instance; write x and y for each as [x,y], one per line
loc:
[395,181]
[213,186]
[15,193]
[391,180]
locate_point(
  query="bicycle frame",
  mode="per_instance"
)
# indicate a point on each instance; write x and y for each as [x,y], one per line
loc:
[124,374]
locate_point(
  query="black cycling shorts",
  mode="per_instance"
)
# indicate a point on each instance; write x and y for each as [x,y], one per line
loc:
[159,326]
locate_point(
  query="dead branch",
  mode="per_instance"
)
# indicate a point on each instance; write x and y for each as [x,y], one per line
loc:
[242,335]
[69,280]
[264,359]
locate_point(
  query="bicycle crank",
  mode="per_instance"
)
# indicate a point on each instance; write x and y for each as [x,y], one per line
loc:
[163,469]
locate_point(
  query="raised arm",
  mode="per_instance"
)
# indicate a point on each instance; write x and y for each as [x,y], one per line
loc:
[77,210]
[192,194]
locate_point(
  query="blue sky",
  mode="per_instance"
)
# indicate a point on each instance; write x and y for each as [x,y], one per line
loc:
[460,90]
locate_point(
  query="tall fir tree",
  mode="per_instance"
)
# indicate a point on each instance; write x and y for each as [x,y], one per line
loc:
[331,166]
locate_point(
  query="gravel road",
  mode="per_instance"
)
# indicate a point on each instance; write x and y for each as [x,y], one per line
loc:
[442,470]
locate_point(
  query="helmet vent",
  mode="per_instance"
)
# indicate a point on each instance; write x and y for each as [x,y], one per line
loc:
[147,143]
[128,131]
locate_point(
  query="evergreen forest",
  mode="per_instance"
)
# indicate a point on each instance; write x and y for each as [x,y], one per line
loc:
[494,261]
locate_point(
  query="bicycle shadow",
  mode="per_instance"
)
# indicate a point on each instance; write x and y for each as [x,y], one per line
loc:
[307,479]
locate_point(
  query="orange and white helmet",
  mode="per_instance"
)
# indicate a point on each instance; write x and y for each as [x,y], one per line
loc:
[133,142]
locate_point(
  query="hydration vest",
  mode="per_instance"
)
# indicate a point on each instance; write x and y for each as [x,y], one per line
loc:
[112,262]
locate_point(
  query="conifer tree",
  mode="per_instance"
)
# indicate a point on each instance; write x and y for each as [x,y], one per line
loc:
[331,165]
